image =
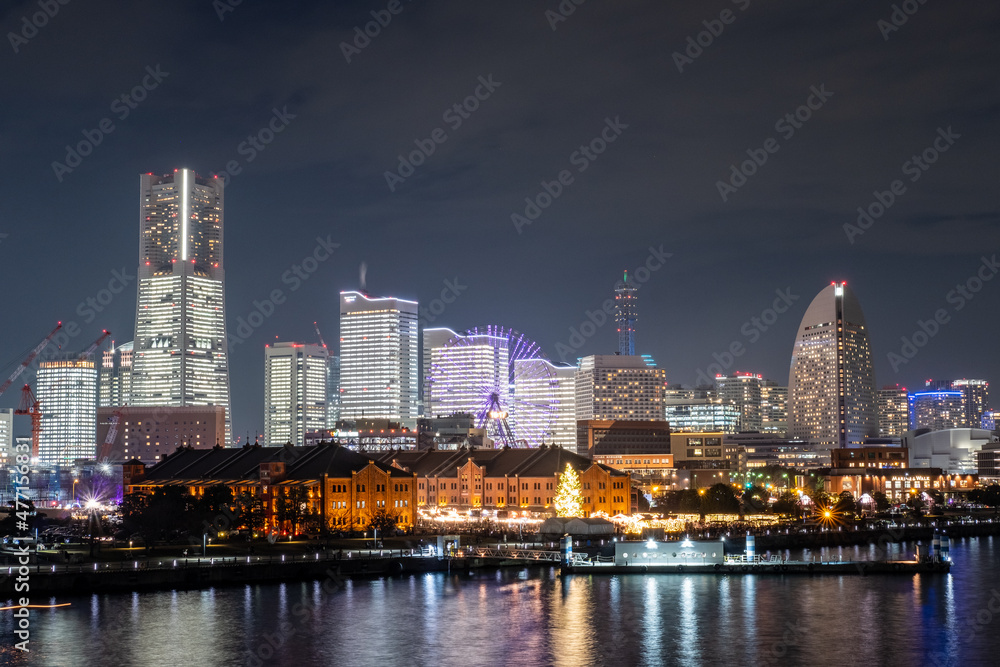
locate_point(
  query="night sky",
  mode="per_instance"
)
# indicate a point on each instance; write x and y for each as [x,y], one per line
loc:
[675,117]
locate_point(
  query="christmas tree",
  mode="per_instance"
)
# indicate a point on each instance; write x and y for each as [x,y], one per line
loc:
[568,498]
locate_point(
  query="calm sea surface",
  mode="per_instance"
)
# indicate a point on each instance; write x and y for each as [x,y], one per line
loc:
[535,617]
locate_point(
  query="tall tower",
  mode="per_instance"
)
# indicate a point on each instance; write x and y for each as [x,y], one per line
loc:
[626,314]
[831,385]
[379,369]
[180,352]
[295,391]
[67,395]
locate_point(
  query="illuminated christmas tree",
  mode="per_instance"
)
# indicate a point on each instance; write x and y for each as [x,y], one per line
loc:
[568,499]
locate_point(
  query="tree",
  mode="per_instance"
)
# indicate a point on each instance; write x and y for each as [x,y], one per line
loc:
[382,521]
[690,502]
[755,498]
[845,503]
[293,507]
[720,499]
[568,499]
[881,501]
[787,504]
[250,512]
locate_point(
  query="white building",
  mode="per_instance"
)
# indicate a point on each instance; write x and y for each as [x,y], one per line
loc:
[295,391]
[744,391]
[697,415]
[619,387]
[463,372]
[545,403]
[115,381]
[379,370]
[67,397]
[952,450]
[181,352]
[773,408]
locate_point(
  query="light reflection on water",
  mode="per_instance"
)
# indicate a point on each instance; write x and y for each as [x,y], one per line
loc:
[537,617]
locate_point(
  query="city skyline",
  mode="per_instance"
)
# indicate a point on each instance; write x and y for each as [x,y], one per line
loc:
[315,171]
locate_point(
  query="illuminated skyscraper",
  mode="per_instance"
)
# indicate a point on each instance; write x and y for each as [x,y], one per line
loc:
[545,409]
[115,381]
[893,411]
[181,353]
[626,314]
[831,385]
[459,373]
[295,391]
[613,387]
[742,390]
[379,370]
[773,408]
[976,397]
[67,396]
[937,410]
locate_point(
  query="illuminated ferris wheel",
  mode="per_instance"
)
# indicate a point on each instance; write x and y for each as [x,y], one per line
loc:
[498,376]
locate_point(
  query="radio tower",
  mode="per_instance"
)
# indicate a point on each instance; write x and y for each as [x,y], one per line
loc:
[626,314]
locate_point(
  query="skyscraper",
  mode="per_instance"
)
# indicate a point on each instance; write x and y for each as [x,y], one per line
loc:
[613,387]
[379,371]
[545,409]
[976,397]
[626,314]
[773,408]
[181,353]
[295,391]
[893,411]
[115,381]
[461,371]
[430,339]
[742,390]
[831,385]
[67,396]
[937,410]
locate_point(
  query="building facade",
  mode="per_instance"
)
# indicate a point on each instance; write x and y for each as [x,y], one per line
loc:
[150,434]
[773,409]
[976,396]
[181,351]
[937,410]
[702,414]
[831,384]
[622,437]
[379,364]
[67,394]
[614,387]
[626,314]
[115,381]
[295,391]
[893,411]
[744,391]
[6,435]
[545,403]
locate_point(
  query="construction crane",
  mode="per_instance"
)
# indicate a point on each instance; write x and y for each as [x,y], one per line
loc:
[104,336]
[29,405]
[321,341]
[27,362]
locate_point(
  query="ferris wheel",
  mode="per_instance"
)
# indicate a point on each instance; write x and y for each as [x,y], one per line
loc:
[498,376]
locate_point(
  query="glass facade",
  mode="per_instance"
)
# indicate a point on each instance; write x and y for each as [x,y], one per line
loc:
[67,397]
[295,392]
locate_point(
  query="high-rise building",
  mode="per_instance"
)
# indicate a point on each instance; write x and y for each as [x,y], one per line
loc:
[431,339]
[67,396]
[181,353]
[545,409]
[459,373]
[295,391]
[773,408]
[333,391]
[744,391]
[614,387]
[976,396]
[626,314]
[937,410]
[379,370]
[893,411]
[115,381]
[831,385]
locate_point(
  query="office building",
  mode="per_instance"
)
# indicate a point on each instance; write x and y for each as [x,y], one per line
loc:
[379,358]
[937,410]
[150,434]
[181,352]
[437,337]
[464,371]
[744,391]
[976,397]
[115,380]
[831,384]
[893,411]
[880,457]
[295,391]
[614,387]
[67,395]
[702,414]
[544,403]
[622,437]
[333,391]
[773,409]
[747,451]
[626,314]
